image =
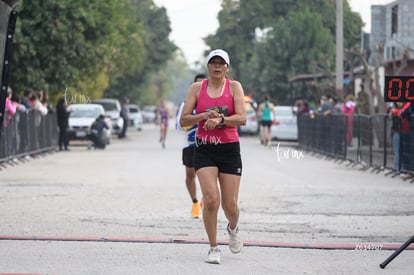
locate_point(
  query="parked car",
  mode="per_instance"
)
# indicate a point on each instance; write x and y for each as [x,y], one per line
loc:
[112,109]
[252,123]
[135,116]
[285,127]
[149,113]
[81,118]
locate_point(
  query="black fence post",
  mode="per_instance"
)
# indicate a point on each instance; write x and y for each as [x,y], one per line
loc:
[7,25]
[358,156]
[385,142]
[371,139]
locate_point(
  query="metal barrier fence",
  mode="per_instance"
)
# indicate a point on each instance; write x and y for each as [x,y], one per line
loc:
[27,133]
[360,139]
[324,135]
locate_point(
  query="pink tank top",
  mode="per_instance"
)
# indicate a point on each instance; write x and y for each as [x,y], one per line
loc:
[224,104]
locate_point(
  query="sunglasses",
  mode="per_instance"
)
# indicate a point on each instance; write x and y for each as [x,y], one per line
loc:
[220,63]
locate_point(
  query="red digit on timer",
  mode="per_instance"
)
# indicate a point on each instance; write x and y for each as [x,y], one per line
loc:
[390,85]
[407,92]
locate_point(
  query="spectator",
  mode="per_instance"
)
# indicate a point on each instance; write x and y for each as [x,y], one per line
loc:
[97,133]
[9,130]
[125,116]
[331,105]
[408,110]
[40,111]
[298,105]
[45,102]
[337,106]
[338,129]
[25,99]
[305,109]
[395,133]
[63,123]
[10,108]
[348,108]
[23,125]
[326,106]
[17,121]
[36,103]
[407,140]
[20,107]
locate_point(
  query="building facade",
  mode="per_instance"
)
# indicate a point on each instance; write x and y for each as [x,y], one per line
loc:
[392,37]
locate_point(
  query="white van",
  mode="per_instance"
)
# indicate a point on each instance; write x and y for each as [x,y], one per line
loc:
[112,109]
[135,116]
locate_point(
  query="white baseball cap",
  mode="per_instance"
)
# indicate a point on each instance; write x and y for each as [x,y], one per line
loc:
[221,53]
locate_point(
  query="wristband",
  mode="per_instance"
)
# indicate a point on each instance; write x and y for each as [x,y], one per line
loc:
[222,119]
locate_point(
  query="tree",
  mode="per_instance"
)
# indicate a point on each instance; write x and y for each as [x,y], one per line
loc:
[245,26]
[287,50]
[57,43]
[142,84]
[86,47]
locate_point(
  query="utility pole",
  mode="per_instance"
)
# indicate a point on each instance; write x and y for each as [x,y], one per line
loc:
[339,49]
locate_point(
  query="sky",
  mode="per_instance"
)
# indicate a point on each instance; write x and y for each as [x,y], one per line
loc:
[192,20]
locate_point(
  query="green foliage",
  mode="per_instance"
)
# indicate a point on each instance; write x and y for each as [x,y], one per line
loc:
[117,48]
[58,42]
[157,50]
[89,46]
[327,10]
[284,54]
[270,41]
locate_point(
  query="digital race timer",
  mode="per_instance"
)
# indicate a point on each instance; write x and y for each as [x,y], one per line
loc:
[399,88]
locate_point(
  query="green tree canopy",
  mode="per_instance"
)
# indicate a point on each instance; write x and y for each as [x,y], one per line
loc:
[94,45]
[148,82]
[286,51]
[271,40]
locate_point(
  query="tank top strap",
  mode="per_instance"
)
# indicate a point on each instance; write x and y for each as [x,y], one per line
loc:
[204,84]
[227,87]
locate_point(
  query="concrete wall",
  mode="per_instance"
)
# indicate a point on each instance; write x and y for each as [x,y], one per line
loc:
[381,29]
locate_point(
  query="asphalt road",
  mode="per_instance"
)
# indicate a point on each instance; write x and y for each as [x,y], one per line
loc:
[125,210]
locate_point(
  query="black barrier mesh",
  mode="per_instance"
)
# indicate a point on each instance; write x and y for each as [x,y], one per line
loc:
[361,139]
[323,134]
[365,140]
[28,133]
[407,148]
[382,155]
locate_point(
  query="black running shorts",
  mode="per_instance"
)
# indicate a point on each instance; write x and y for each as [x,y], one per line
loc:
[266,123]
[188,156]
[225,156]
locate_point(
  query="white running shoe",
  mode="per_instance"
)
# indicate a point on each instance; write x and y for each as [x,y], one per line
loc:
[235,244]
[213,256]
